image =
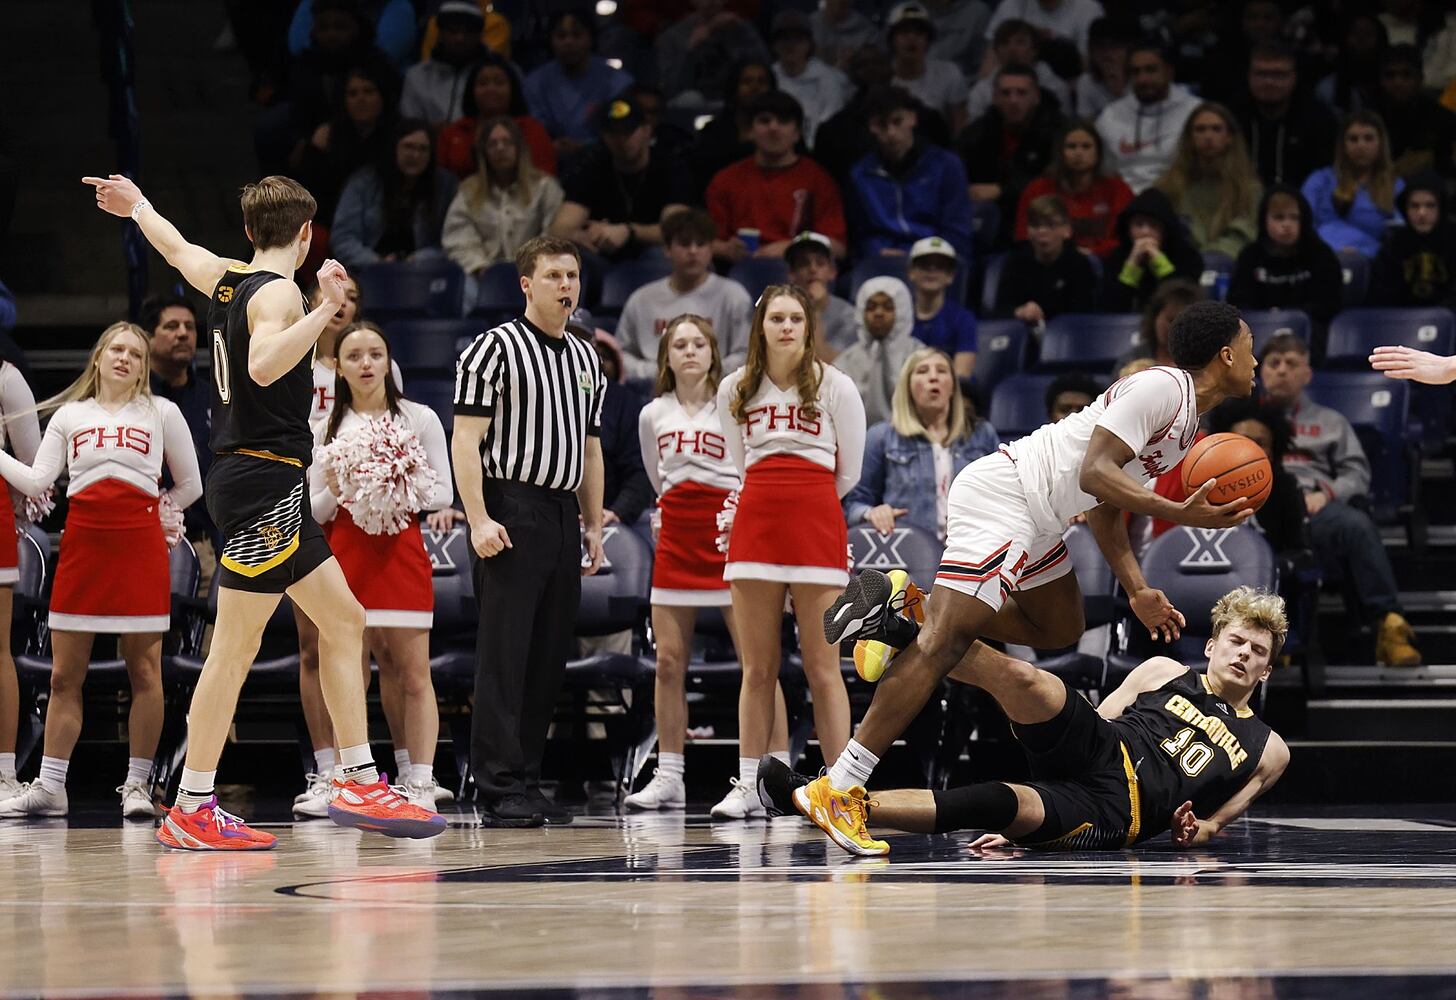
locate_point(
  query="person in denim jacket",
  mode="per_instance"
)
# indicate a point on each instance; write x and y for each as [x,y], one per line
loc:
[911,459]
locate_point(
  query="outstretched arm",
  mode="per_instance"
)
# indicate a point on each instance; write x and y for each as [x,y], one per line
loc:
[120,196]
[1190,831]
[281,333]
[1417,366]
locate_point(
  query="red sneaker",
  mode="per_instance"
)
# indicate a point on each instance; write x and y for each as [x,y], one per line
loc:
[211,829]
[379,808]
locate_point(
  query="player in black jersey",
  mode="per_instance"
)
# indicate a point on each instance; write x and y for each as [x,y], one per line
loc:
[1170,750]
[263,339]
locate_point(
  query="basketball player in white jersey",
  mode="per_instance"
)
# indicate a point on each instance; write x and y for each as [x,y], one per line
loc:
[1006,575]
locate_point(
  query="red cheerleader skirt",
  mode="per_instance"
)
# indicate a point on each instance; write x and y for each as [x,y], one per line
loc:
[113,573]
[789,527]
[389,574]
[9,546]
[687,569]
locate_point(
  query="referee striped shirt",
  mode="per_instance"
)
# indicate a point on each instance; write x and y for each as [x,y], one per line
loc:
[543,395]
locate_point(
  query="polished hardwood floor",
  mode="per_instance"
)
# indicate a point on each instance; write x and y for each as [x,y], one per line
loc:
[1299,903]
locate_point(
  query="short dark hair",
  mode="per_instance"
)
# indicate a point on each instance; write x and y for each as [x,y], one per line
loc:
[154,305]
[1178,292]
[1235,411]
[1078,382]
[1015,69]
[1047,209]
[1011,27]
[1285,342]
[1150,43]
[1274,50]
[779,104]
[543,246]
[693,225]
[1404,54]
[581,15]
[881,102]
[1200,332]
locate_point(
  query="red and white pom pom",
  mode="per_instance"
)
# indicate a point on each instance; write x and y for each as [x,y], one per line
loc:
[35,509]
[172,521]
[383,474]
[725,521]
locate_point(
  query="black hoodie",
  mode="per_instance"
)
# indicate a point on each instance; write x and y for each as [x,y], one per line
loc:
[1416,269]
[1267,276]
[1117,294]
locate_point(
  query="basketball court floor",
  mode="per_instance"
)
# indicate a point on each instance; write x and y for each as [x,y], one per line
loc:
[1289,903]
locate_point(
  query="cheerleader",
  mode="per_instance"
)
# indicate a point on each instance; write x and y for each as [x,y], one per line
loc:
[388,573]
[796,430]
[686,457]
[19,429]
[110,435]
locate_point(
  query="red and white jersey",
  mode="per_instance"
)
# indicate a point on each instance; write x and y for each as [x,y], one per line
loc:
[679,447]
[322,403]
[775,425]
[426,426]
[92,444]
[19,426]
[1154,412]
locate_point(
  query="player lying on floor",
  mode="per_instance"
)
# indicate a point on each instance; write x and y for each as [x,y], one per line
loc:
[1169,750]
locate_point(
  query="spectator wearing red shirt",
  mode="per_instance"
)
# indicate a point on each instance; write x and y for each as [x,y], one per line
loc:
[1093,198]
[777,191]
[492,90]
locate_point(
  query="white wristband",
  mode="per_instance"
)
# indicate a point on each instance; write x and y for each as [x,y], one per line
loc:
[136,209]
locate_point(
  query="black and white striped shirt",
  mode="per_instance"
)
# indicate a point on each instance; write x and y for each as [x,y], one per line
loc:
[543,395]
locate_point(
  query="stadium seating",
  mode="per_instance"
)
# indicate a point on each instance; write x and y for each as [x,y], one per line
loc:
[1379,410]
[28,619]
[1018,404]
[757,273]
[452,639]
[1265,323]
[498,294]
[1355,274]
[433,288]
[436,393]
[430,346]
[1001,347]
[991,284]
[624,278]
[1218,267]
[1090,342]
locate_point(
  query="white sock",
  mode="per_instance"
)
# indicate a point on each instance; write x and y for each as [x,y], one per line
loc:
[420,774]
[853,767]
[357,764]
[782,756]
[138,770]
[748,770]
[402,764]
[325,760]
[53,773]
[195,788]
[7,765]
[670,765]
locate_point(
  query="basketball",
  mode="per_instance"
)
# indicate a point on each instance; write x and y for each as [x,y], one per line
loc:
[1238,465]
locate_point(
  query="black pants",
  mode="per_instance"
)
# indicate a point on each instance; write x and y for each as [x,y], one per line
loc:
[529,595]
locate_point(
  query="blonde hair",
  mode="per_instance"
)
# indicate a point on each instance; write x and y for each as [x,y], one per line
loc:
[1136,365]
[86,386]
[1254,608]
[478,185]
[808,375]
[906,421]
[1238,185]
[275,209]
[1381,184]
[666,378]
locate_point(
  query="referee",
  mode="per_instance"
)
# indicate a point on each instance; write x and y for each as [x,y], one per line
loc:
[528,460]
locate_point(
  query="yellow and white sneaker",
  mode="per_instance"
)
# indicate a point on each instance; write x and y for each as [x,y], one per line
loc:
[842,815]
[873,656]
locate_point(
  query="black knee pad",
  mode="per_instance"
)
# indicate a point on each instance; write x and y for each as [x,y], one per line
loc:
[990,805]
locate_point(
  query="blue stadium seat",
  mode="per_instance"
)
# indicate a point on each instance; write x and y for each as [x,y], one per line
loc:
[1265,323]
[416,289]
[1195,567]
[430,346]
[991,282]
[1018,405]
[624,278]
[438,394]
[1217,268]
[1090,342]
[498,293]
[1354,333]
[910,547]
[1355,274]
[757,273]
[985,226]
[1000,350]
[1379,410]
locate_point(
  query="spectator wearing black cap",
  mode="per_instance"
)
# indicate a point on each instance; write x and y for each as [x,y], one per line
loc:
[692,52]
[906,189]
[938,83]
[1011,144]
[1290,135]
[433,89]
[812,270]
[762,202]
[619,190]
[1422,133]
[820,89]
[568,91]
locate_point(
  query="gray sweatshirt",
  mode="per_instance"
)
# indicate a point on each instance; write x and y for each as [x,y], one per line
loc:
[647,310]
[874,365]
[1325,454]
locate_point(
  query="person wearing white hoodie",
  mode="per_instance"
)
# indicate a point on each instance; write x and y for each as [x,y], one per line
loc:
[884,316]
[1140,129]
